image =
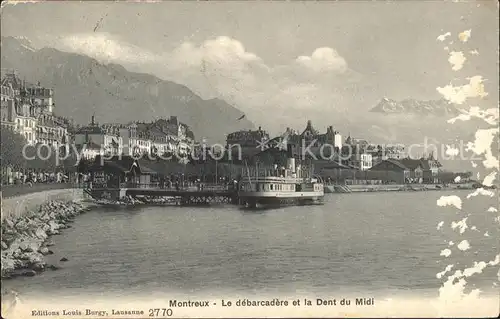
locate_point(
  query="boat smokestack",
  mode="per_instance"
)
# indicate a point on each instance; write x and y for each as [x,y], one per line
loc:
[289,152]
[290,161]
[291,164]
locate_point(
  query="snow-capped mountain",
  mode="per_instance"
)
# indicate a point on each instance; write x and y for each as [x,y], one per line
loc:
[412,106]
[25,43]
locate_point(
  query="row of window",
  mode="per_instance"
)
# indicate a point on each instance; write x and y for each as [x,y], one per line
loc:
[275,187]
[26,123]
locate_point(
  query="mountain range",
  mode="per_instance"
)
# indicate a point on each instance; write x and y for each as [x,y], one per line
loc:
[83,87]
[412,106]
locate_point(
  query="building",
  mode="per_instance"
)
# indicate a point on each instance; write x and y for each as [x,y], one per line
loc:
[179,137]
[358,142]
[160,143]
[249,142]
[89,150]
[383,152]
[29,110]
[107,138]
[310,141]
[51,130]
[423,170]
[130,139]
[121,172]
[391,171]
[142,139]
[8,112]
[161,137]
[366,161]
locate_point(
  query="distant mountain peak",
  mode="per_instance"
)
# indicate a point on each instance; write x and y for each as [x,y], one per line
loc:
[439,107]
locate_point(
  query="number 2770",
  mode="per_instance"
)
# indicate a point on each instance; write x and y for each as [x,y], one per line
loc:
[160,312]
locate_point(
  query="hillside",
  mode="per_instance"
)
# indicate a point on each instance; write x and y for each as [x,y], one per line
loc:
[84,86]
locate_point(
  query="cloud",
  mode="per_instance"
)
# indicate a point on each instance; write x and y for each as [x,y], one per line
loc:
[222,52]
[323,60]
[223,67]
[315,83]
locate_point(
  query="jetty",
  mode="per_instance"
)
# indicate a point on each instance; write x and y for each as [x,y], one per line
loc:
[202,195]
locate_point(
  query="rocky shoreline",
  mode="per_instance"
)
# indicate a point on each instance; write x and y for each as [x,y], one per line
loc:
[26,239]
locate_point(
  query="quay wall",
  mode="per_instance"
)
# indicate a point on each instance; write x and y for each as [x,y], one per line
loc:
[407,187]
[28,222]
[18,206]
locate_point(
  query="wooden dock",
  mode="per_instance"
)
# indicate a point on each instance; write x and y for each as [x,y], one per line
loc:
[192,196]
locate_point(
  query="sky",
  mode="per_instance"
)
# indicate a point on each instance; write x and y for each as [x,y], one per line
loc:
[281,62]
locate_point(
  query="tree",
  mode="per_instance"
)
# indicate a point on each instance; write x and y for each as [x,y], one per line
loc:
[41,158]
[11,146]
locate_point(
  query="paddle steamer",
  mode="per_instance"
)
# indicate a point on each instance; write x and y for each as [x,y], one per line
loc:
[279,186]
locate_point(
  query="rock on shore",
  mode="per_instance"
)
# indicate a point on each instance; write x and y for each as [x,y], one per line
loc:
[25,239]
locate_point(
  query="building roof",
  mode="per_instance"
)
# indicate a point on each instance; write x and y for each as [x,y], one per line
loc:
[12,79]
[309,130]
[248,135]
[91,129]
[51,121]
[414,163]
[122,164]
[392,161]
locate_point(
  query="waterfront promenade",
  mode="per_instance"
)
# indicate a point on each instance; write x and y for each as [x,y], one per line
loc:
[24,189]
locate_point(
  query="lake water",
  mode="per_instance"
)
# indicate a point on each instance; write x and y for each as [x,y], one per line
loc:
[382,244]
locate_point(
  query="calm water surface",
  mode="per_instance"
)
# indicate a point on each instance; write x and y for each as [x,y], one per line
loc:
[382,243]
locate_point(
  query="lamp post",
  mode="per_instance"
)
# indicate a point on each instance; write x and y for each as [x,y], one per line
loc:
[216,175]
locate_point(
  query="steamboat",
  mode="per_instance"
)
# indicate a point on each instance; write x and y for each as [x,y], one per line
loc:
[280,186]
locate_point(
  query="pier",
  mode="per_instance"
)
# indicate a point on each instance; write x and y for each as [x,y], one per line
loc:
[202,195]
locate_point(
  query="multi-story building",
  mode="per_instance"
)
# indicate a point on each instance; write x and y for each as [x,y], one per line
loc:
[310,141]
[51,130]
[179,137]
[128,134]
[8,111]
[138,138]
[384,152]
[247,142]
[107,138]
[357,153]
[26,119]
[29,110]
